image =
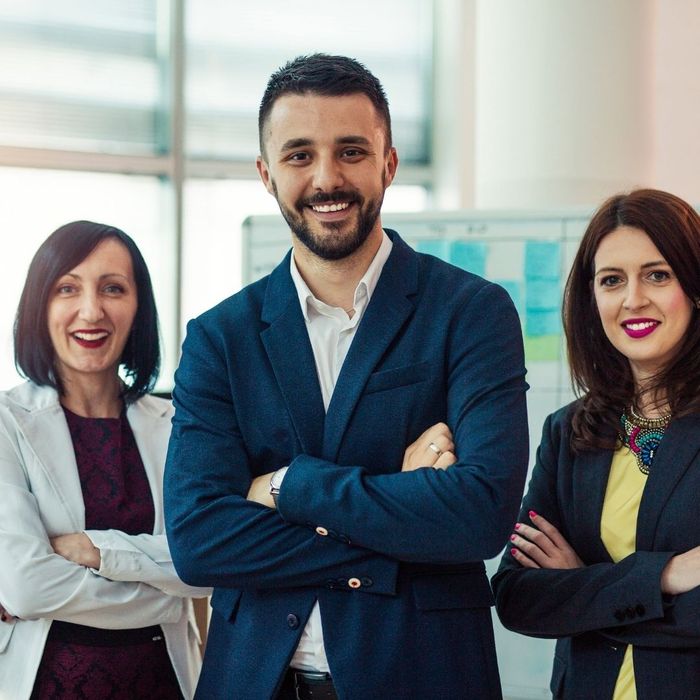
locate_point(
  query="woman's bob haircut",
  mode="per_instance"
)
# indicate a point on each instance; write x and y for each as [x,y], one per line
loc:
[600,373]
[61,252]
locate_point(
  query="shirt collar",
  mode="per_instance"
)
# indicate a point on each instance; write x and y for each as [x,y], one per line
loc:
[365,286]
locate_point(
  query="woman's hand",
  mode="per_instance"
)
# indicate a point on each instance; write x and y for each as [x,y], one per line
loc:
[5,616]
[542,546]
[77,548]
[682,573]
[434,448]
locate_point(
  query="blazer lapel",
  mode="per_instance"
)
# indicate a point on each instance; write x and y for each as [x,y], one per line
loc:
[288,348]
[676,452]
[591,471]
[151,428]
[41,418]
[387,312]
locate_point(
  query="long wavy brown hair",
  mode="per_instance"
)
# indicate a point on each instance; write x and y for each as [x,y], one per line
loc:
[600,374]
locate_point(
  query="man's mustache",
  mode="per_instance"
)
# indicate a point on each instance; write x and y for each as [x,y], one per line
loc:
[329,197]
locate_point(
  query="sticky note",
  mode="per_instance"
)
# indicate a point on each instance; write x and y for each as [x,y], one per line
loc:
[542,259]
[469,256]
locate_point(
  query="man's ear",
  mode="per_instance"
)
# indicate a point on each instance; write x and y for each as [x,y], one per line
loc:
[264,173]
[392,164]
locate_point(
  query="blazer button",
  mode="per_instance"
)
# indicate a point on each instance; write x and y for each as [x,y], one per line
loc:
[354,582]
[366,581]
[631,612]
[320,530]
[292,621]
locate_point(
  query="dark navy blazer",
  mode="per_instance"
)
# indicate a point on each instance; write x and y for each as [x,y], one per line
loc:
[599,609]
[435,344]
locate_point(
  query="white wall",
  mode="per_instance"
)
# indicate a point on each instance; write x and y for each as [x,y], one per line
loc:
[564,102]
[676,102]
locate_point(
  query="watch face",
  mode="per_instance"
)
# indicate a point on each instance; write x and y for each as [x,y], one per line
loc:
[276,480]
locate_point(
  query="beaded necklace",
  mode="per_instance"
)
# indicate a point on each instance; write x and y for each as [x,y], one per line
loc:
[643,436]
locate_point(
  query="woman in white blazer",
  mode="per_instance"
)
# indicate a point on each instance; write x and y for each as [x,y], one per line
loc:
[91,605]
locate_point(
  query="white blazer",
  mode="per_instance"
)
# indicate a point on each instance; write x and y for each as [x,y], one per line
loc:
[41,497]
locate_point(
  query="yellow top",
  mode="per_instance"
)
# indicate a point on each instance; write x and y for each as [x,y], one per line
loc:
[618,530]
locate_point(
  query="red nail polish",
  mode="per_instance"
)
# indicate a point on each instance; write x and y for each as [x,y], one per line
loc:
[517,526]
[532,514]
[513,551]
[512,538]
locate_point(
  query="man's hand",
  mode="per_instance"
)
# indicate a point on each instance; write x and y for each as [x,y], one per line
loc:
[259,490]
[542,546]
[77,548]
[682,573]
[434,448]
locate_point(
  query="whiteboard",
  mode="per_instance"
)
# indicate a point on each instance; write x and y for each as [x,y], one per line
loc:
[529,254]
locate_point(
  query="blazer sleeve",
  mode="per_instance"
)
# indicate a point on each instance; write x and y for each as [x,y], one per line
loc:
[140,558]
[37,583]
[566,602]
[679,627]
[217,537]
[460,514]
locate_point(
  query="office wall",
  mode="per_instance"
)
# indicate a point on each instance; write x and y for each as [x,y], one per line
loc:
[562,102]
[676,102]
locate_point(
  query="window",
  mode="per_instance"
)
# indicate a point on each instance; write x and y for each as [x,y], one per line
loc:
[95,109]
[80,75]
[232,51]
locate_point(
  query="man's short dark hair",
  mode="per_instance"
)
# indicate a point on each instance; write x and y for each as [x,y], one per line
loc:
[327,76]
[61,252]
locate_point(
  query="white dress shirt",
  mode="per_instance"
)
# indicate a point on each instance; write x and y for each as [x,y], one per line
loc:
[331,331]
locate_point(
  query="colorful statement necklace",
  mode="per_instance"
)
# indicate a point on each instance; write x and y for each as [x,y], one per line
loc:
[643,436]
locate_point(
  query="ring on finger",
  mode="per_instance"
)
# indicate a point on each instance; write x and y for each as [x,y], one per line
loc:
[432,446]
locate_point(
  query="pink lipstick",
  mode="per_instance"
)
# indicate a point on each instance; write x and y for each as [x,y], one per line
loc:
[640,327]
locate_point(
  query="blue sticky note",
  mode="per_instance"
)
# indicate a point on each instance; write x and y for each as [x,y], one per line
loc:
[514,290]
[542,259]
[542,294]
[469,256]
[539,322]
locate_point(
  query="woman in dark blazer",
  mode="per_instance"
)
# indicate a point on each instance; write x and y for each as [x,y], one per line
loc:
[605,556]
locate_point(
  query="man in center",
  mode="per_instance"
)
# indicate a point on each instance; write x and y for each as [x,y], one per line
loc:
[350,437]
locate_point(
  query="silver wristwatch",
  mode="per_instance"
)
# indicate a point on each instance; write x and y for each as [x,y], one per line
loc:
[276,482]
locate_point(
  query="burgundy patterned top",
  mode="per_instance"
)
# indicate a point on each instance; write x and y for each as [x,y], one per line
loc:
[87,663]
[115,488]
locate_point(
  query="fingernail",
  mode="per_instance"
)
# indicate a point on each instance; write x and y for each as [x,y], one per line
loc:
[512,538]
[513,551]
[532,514]
[516,526]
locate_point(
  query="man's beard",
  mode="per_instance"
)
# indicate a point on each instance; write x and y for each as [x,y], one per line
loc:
[331,243]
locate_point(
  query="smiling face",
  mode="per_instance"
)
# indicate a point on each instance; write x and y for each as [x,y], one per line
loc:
[643,309]
[90,313]
[327,164]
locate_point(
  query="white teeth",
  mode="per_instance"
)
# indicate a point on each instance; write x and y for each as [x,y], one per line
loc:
[325,208]
[640,326]
[90,336]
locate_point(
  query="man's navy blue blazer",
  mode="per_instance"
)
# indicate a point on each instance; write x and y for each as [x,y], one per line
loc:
[436,343]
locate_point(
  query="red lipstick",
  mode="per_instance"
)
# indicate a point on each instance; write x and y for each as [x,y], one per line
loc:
[90,339]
